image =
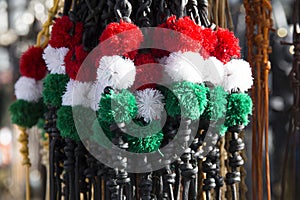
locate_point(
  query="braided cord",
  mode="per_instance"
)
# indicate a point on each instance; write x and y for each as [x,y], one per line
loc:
[44,33]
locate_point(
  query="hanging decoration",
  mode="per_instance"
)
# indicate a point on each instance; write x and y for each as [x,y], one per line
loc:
[259,25]
[122,103]
[29,107]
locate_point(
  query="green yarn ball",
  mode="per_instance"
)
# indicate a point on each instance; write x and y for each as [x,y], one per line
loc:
[141,138]
[217,104]
[239,106]
[74,120]
[216,109]
[117,106]
[148,137]
[186,98]
[65,123]
[54,88]
[26,114]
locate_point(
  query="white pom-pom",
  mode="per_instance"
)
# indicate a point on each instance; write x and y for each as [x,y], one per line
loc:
[118,72]
[184,66]
[238,75]
[213,71]
[95,93]
[77,93]
[28,89]
[54,59]
[150,104]
[68,95]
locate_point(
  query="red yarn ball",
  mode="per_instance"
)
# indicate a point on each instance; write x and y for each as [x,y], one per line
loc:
[125,44]
[65,33]
[32,63]
[208,41]
[148,72]
[186,38]
[227,47]
[74,62]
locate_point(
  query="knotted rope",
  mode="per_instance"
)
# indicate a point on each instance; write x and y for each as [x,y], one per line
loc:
[259,24]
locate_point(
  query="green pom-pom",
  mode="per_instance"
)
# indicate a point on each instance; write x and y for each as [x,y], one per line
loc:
[186,98]
[238,108]
[54,88]
[148,137]
[117,107]
[217,104]
[65,123]
[74,120]
[26,114]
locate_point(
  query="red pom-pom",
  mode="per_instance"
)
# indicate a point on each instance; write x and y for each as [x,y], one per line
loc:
[32,63]
[208,41]
[74,62]
[125,44]
[148,72]
[186,37]
[227,47]
[65,33]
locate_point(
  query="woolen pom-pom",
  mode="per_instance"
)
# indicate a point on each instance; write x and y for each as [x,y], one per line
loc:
[148,72]
[177,35]
[238,75]
[239,107]
[65,33]
[215,110]
[95,94]
[26,114]
[213,71]
[28,89]
[185,67]
[148,137]
[208,41]
[217,104]
[150,104]
[186,99]
[117,71]
[77,93]
[117,106]
[72,121]
[65,123]
[55,59]
[227,47]
[54,88]
[119,43]
[74,60]
[32,64]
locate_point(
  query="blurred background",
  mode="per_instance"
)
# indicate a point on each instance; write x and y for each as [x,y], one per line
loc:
[20,21]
